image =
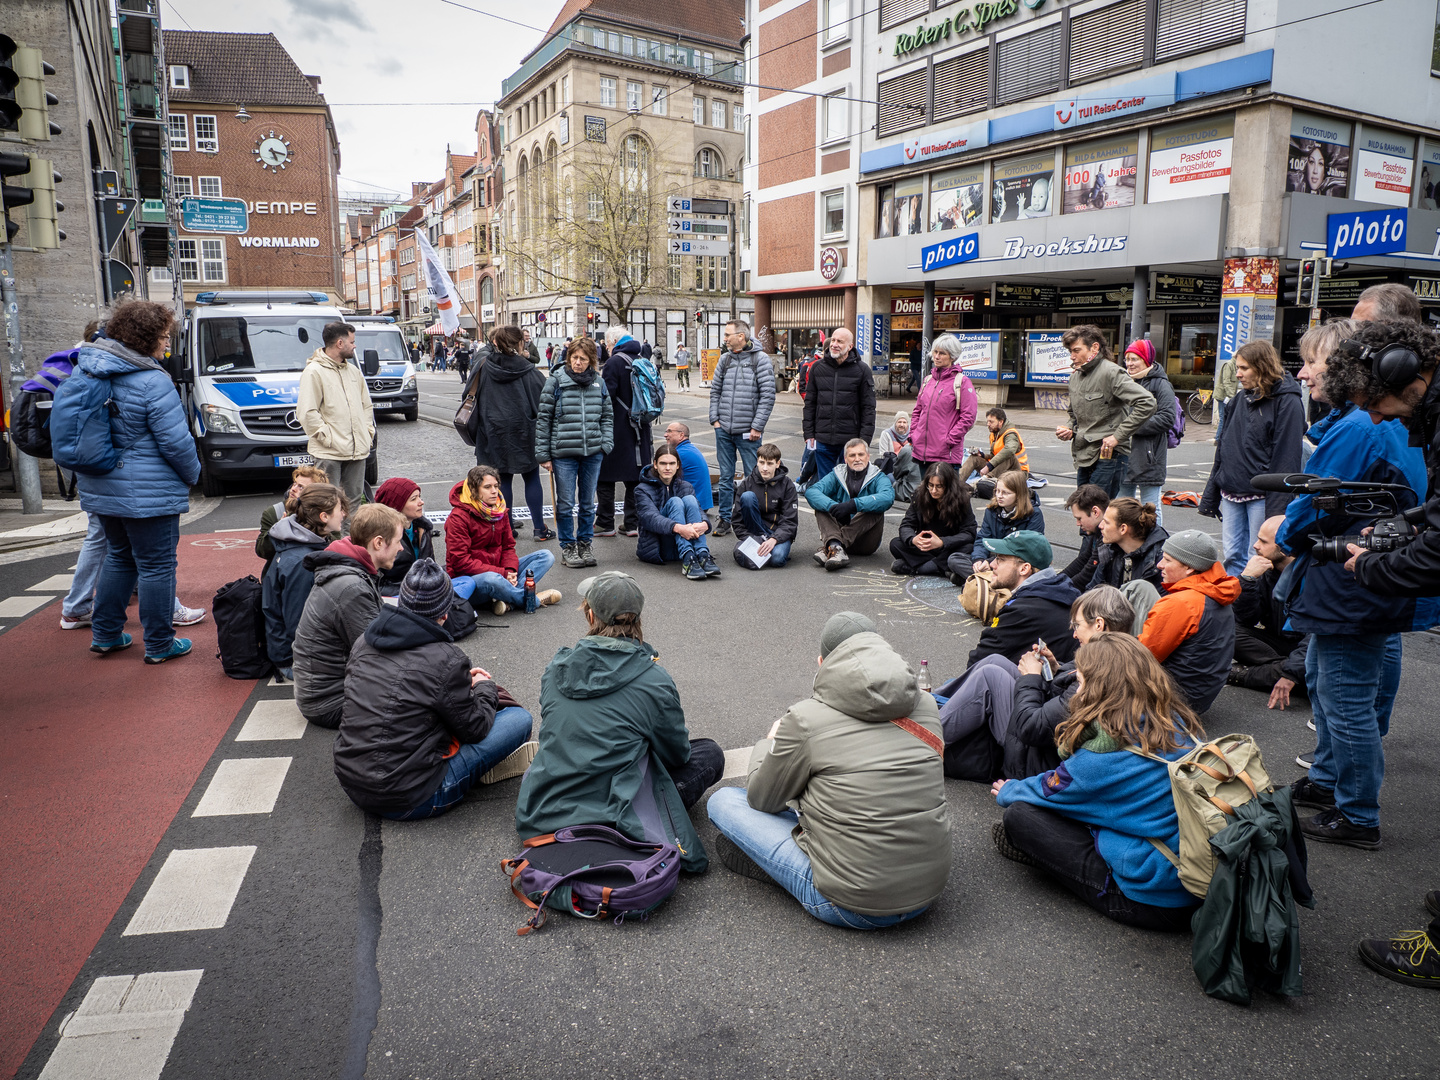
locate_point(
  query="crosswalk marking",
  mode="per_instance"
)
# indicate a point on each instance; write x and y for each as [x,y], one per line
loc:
[193,891]
[17,607]
[54,583]
[244,786]
[273,720]
[737,763]
[125,1027]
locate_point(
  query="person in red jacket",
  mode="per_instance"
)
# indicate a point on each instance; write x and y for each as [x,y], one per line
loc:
[480,548]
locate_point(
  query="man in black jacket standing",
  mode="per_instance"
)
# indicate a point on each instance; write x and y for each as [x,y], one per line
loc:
[839,401]
[1039,604]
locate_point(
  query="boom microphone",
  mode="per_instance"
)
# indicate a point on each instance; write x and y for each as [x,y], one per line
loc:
[1291,483]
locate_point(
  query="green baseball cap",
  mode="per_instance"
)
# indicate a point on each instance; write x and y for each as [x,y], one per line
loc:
[611,595]
[1025,545]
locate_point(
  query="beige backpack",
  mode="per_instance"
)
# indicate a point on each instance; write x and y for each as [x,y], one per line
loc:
[981,598]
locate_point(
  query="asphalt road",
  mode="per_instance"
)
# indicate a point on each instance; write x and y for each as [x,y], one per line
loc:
[409,929]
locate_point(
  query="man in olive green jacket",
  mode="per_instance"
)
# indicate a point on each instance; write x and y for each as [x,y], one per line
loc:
[1106,406]
[860,758]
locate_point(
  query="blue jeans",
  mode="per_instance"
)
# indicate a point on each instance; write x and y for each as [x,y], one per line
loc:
[1352,680]
[766,839]
[140,549]
[575,480]
[827,456]
[685,511]
[1147,493]
[492,586]
[755,526]
[1239,526]
[726,445]
[80,600]
[471,761]
[1105,474]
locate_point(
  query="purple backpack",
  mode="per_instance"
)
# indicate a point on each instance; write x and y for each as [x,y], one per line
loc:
[592,871]
[1177,430]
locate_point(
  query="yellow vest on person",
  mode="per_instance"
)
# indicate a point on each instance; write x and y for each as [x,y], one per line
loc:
[997,443]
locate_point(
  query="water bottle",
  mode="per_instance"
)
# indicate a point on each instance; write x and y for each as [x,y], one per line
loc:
[531,603]
[925,676]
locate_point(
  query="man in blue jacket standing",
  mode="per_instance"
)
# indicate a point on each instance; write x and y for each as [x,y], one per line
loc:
[742,394]
[850,504]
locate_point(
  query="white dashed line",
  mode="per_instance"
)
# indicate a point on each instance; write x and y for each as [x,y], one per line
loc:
[194,890]
[17,607]
[272,721]
[244,786]
[57,583]
[125,1027]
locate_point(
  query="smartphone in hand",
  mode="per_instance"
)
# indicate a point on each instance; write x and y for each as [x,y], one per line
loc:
[1044,663]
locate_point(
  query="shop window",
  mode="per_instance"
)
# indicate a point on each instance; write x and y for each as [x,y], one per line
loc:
[901,208]
[901,103]
[1107,41]
[1184,26]
[1190,351]
[897,11]
[1028,65]
[962,84]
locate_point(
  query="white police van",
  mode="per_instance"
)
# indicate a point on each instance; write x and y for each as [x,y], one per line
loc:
[238,369]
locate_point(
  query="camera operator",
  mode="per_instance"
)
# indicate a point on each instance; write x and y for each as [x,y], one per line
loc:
[1389,372]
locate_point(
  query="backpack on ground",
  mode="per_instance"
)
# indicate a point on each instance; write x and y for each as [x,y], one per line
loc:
[1207,784]
[240,629]
[647,400]
[592,871]
[1177,430]
[80,435]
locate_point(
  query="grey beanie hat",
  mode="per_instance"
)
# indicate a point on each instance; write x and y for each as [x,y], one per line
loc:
[426,590]
[1192,547]
[840,626]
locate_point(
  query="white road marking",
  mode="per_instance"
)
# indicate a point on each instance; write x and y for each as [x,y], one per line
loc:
[248,528]
[17,607]
[125,1027]
[244,786]
[271,721]
[56,583]
[194,890]
[737,763]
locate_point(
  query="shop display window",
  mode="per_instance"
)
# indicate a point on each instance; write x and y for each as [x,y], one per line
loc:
[1190,351]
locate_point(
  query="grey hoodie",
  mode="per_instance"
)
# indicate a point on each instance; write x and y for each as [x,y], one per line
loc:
[871,796]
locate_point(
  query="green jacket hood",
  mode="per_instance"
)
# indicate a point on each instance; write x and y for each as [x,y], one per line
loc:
[866,679]
[597,666]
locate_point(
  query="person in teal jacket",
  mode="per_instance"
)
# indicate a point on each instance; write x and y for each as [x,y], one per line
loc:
[1089,822]
[614,749]
[850,503]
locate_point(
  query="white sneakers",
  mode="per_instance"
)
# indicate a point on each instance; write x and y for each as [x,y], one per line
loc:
[187,616]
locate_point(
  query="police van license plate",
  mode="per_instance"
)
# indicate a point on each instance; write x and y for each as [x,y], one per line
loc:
[283,460]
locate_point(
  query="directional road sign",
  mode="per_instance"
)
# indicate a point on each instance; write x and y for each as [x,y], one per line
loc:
[699,247]
[592,299]
[698,227]
[677,205]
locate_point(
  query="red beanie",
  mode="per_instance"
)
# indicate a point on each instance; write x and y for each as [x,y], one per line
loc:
[396,492]
[1143,349]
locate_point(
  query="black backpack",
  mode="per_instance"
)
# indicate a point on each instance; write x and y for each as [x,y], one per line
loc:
[30,415]
[240,629]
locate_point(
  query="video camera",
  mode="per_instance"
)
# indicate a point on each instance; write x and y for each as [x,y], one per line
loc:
[1354,498]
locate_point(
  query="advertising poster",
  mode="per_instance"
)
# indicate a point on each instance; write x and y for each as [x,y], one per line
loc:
[980,354]
[1384,167]
[902,208]
[1247,303]
[1047,360]
[709,361]
[1427,189]
[1189,160]
[1319,160]
[957,198]
[1100,175]
[1024,188]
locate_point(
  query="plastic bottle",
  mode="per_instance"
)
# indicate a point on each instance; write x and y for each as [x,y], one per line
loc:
[532,604]
[925,676]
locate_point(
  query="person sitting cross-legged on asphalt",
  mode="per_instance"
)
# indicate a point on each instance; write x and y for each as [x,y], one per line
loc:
[302,477]
[1010,510]
[672,526]
[844,804]
[767,509]
[1132,541]
[1087,505]
[693,465]
[320,510]
[480,548]
[614,749]
[742,395]
[343,601]
[417,539]
[1039,604]
[939,526]
[420,725]
[1089,821]
[850,503]
[1268,657]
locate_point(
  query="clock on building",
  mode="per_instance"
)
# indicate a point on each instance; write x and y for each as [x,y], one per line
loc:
[273,151]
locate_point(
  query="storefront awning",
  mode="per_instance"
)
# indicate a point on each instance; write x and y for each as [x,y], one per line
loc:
[826,311]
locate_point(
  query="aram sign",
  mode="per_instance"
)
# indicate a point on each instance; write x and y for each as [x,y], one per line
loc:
[965,20]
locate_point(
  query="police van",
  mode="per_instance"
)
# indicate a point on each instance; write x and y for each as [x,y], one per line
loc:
[238,369]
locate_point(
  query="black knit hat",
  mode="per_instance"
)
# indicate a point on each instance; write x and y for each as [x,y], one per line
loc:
[426,590]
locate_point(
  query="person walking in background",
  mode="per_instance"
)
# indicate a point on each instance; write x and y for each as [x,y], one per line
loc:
[742,395]
[462,359]
[682,367]
[507,405]
[632,442]
[839,402]
[1262,435]
[335,410]
[945,408]
[916,359]
[573,432]
[1150,445]
[1106,408]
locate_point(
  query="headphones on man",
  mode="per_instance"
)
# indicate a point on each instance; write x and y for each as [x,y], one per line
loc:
[1394,366]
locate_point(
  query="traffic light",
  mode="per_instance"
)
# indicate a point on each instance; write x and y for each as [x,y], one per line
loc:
[699,318]
[45,231]
[590,318]
[10,109]
[13,196]
[31,95]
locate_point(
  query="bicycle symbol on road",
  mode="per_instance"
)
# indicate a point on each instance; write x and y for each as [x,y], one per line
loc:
[225,543]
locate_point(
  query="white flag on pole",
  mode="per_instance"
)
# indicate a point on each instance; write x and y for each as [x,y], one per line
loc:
[443,297]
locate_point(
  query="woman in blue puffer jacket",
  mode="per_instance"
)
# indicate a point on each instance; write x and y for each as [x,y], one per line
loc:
[139,502]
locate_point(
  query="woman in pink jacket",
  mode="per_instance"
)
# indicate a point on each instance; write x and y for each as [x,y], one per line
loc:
[937,426]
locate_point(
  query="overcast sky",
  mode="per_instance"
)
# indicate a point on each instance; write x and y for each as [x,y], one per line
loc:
[379,51]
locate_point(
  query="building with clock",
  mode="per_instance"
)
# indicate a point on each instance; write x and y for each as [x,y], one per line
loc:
[254,166]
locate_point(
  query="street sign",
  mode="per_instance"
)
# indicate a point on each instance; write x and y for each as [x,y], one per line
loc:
[1373,232]
[120,277]
[698,227]
[115,214]
[214,215]
[592,299]
[699,247]
[676,205]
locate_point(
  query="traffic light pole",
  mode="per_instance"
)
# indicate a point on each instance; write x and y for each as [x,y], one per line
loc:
[27,469]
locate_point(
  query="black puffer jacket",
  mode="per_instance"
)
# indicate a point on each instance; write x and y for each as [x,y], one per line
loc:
[1150,445]
[343,601]
[507,405]
[1259,436]
[408,699]
[1082,567]
[1112,564]
[840,401]
[1039,609]
[1038,709]
[958,535]
[779,505]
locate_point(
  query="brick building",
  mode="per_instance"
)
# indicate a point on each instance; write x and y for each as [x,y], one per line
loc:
[246,123]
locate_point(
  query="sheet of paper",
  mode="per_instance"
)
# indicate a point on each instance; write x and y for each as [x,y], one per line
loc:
[750,548]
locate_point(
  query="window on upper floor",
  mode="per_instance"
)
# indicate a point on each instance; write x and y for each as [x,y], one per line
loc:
[837,20]
[836,118]
[901,102]
[737,116]
[179,132]
[187,255]
[707,63]
[634,92]
[1108,40]
[898,11]
[962,84]
[209,187]
[698,110]
[181,186]
[717,113]
[607,92]
[1183,27]
[179,77]
[207,135]
[659,100]
[564,100]
[707,164]
[212,260]
[833,207]
[1029,64]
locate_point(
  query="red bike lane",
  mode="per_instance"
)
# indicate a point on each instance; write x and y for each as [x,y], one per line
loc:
[97,756]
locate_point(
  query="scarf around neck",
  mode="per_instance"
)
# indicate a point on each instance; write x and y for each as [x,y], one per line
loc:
[488,514]
[584,378]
